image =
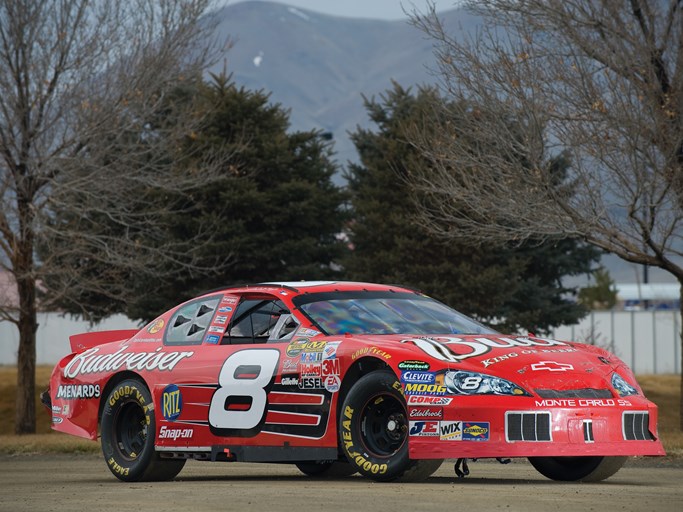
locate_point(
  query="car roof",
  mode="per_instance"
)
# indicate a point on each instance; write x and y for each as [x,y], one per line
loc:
[309,287]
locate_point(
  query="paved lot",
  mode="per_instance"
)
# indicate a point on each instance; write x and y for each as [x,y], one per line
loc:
[78,483]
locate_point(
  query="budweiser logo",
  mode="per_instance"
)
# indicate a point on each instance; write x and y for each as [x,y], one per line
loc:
[91,362]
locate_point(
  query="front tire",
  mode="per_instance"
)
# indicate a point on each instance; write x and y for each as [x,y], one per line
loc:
[374,431]
[572,469]
[127,430]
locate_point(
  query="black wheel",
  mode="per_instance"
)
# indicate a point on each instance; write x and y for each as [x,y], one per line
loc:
[327,469]
[571,469]
[127,429]
[374,431]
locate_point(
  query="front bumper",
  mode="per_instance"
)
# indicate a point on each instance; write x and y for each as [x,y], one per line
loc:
[478,427]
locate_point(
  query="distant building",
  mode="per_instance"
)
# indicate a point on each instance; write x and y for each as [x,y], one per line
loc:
[648,296]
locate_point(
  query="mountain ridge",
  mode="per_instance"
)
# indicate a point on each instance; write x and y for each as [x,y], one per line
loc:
[318,66]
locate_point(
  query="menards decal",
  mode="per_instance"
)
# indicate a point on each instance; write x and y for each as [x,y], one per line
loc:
[90,362]
[457,349]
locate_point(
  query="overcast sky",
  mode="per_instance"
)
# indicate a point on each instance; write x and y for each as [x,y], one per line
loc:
[378,9]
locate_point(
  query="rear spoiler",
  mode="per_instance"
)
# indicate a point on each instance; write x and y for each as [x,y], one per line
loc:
[81,342]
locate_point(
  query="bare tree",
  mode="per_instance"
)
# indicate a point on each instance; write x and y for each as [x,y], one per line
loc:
[599,80]
[81,85]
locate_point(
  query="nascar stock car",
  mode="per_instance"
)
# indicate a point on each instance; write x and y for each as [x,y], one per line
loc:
[339,378]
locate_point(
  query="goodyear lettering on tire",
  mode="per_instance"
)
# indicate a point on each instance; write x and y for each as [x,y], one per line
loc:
[116,467]
[126,391]
[358,459]
[122,392]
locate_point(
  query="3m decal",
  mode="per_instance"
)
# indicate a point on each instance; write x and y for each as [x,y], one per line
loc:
[330,367]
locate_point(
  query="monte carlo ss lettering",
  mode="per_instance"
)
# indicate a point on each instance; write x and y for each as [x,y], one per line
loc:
[342,378]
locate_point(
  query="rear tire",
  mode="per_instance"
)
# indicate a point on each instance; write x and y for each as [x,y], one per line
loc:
[127,429]
[572,469]
[374,431]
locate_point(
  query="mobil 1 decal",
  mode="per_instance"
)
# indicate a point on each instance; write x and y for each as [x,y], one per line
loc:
[248,400]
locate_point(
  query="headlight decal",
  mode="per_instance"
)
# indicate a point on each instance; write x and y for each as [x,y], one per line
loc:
[622,387]
[473,383]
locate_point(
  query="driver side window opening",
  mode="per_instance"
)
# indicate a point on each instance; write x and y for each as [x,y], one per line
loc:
[260,321]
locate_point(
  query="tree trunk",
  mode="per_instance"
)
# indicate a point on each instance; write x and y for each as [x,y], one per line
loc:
[680,280]
[25,418]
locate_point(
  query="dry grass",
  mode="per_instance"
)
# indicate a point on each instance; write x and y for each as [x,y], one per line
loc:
[45,440]
[664,390]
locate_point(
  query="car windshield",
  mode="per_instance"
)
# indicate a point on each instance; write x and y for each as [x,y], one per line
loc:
[365,312]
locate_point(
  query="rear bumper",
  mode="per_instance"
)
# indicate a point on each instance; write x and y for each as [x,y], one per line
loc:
[45,399]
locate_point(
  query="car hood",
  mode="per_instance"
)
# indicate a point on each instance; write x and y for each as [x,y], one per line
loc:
[531,362]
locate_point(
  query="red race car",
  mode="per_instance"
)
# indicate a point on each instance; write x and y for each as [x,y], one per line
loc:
[339,378]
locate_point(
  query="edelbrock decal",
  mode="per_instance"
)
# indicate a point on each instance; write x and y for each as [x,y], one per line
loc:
[89,362]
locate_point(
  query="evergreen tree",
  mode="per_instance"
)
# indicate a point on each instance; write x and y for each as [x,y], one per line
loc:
[273,215]
[277,214]
[511,288]
[602,295]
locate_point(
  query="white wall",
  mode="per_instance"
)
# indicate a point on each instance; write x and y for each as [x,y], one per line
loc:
[648,341]
[52,341]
